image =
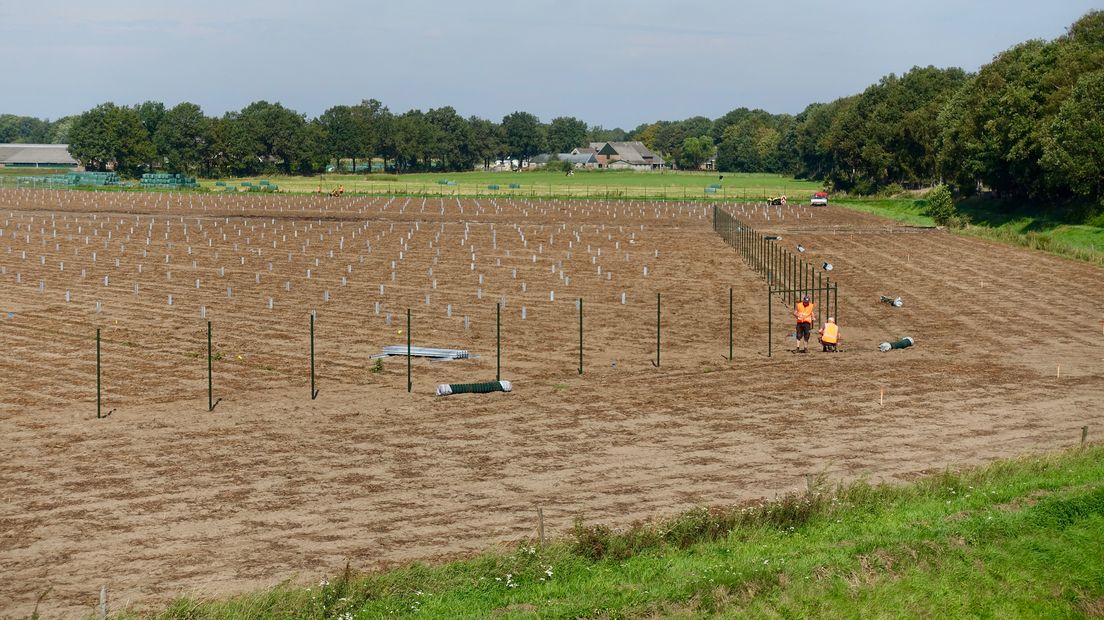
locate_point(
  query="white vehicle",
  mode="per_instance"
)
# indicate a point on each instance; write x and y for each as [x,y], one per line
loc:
[820,199]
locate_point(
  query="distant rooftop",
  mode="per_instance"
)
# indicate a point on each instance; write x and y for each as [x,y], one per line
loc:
[13,154]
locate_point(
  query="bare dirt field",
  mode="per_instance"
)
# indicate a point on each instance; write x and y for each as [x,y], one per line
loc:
[162,497]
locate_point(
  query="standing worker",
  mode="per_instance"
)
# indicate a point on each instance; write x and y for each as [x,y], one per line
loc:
[804,311]
[830,335]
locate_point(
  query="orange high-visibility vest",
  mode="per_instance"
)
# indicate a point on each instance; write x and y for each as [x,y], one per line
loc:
[805,313]
[831,333]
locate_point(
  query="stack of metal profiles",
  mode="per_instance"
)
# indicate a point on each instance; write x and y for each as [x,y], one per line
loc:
[430,352]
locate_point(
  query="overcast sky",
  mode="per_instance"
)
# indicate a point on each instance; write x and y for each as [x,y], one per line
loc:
[609,62]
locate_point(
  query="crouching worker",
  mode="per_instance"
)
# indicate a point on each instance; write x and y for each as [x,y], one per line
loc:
[830,335]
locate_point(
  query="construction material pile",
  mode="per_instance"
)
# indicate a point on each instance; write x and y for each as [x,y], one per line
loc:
[160,180]
[428,352]
[97,179]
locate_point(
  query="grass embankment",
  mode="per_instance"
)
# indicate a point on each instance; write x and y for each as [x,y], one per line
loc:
[1065,233]
[906,211]
[1007,223]
[1018,538]
[670,185]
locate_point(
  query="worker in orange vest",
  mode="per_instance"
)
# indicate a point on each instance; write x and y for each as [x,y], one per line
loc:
[830,335]
[804,311]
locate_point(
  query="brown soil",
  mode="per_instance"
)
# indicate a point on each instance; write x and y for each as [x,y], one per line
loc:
[162,497]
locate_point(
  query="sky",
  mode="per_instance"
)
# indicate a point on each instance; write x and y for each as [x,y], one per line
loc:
[614,63]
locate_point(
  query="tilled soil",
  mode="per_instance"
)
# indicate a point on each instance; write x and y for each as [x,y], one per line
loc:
[162,497]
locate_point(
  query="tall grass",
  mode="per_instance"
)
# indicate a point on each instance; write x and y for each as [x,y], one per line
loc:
[1038,241]
[1017,538]
[1084,242]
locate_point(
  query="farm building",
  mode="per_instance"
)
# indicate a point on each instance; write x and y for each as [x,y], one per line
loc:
[579,160]
[36,156]
[626,156]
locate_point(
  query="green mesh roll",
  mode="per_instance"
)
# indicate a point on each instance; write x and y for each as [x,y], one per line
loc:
[903,343]
[487,387]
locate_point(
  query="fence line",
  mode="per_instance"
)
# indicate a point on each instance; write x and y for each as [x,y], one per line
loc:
[788,276]
[213,402]
[481,190]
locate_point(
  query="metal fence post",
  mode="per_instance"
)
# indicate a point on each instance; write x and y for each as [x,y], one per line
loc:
[820,299]
[580,335]
[498,341]
[804,278]
[97,373]
[409,384]
[776,260]
[770,322]
[835,301]
[314,392]
[210,382]
[791,278]
[657,330]
[730,323]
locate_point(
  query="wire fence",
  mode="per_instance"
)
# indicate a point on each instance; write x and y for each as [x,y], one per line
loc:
[218,286]
[428,189]
[789,277]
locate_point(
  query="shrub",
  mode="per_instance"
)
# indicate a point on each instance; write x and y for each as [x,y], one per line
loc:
[559,165]
[864,187]
[942,209]
[891,190]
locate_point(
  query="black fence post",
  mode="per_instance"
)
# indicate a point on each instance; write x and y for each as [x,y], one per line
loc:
[409,383]
[835,301]
[210,381]
[97,373]
[770,322]
[657,330]
[314,392]
[498,341]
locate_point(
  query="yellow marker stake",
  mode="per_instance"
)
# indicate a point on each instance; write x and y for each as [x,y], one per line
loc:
[881,397]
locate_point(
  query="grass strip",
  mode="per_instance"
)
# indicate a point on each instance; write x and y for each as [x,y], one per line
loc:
[1083,242]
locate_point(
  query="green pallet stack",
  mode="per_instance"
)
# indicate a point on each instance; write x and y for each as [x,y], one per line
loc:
[261,186]
[99,179]
[158,180]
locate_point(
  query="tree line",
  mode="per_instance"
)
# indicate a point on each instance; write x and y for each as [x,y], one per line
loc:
[1028,124]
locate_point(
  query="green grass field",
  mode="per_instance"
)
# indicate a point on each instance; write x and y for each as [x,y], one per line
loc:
[1018,538]
[543,184]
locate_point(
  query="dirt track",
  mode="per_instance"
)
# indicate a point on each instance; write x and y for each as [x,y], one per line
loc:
[162,497]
